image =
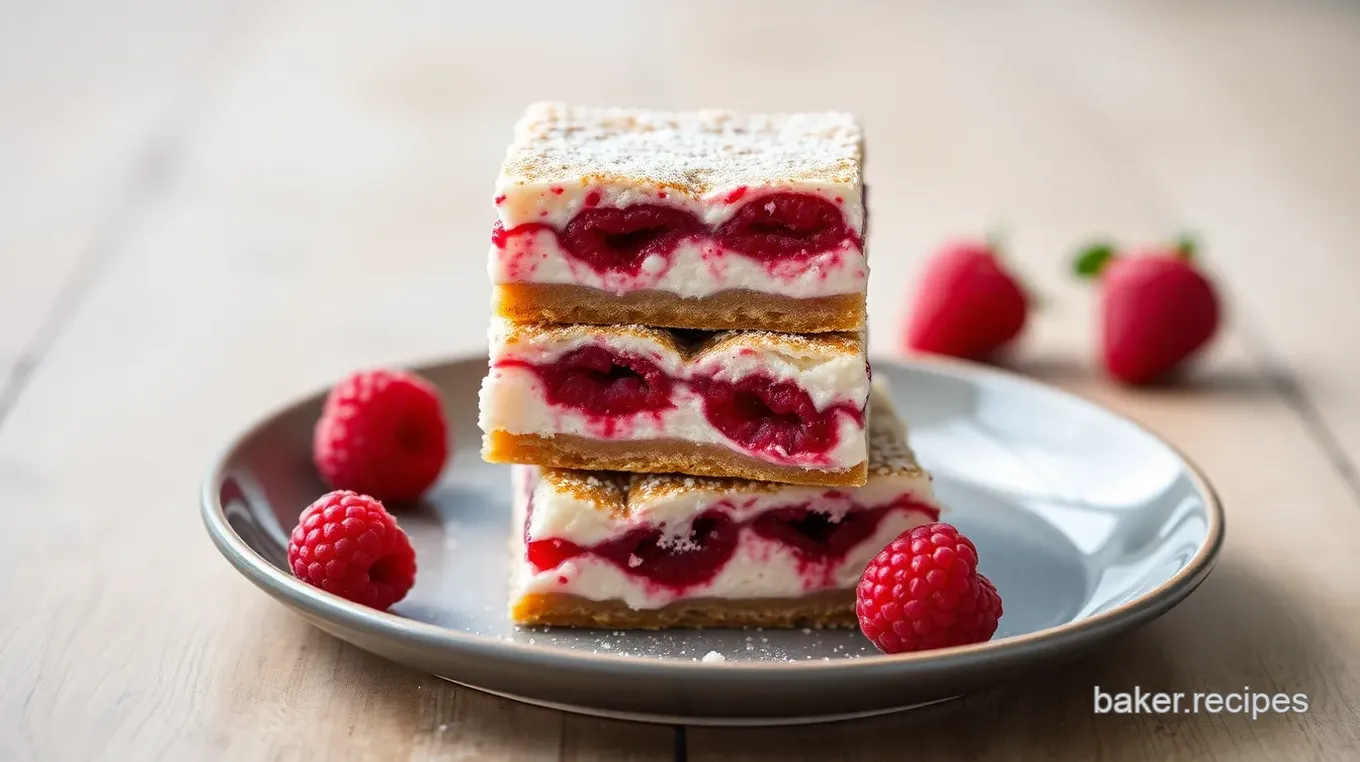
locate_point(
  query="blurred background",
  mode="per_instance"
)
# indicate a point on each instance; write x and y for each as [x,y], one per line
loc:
[208,207]
[215,179]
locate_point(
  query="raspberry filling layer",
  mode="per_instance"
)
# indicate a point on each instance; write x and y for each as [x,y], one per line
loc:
[784,226]
[813,535]
[679,563]
[769,416]
[773,228]
[620,240]
[758,413]
[676,562]
[598,382]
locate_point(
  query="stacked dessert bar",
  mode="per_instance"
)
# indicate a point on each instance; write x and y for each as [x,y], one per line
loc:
[678,369]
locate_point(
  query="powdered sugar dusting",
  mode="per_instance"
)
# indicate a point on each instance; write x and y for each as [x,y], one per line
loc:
[604,490]
[691,153]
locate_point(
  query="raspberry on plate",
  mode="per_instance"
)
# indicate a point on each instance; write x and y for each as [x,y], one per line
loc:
[349,545]
[923,591]
[382,433]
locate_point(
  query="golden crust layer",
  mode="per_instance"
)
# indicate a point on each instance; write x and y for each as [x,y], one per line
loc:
[726,310]
[831,608]
[655,456]
[691,153]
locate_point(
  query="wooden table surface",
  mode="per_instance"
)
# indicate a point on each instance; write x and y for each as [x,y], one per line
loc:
[209,207]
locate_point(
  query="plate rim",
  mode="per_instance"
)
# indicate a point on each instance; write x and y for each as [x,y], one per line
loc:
[1009,650]
[770,721]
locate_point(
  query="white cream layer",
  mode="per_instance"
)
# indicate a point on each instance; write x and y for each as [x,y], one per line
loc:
[561,515]
[695,268]
[512,400]
[541,202]
[759,568]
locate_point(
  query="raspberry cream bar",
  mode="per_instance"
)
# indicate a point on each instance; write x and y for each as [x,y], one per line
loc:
[605,549]
[708,220]
[743,404]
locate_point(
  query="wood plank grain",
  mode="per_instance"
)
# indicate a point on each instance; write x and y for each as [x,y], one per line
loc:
[91,95]
[1243,116]
[980,132]
[327,209]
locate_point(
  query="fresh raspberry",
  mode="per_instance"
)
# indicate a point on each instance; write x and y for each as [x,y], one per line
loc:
[967,304]
[348,544]
[1157,309]
[382,433]
[923,591]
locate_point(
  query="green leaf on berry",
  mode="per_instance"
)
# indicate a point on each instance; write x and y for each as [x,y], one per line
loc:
[1186,247]
[1091,260]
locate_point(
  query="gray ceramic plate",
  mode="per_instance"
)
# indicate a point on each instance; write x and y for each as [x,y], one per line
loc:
[1088,525]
